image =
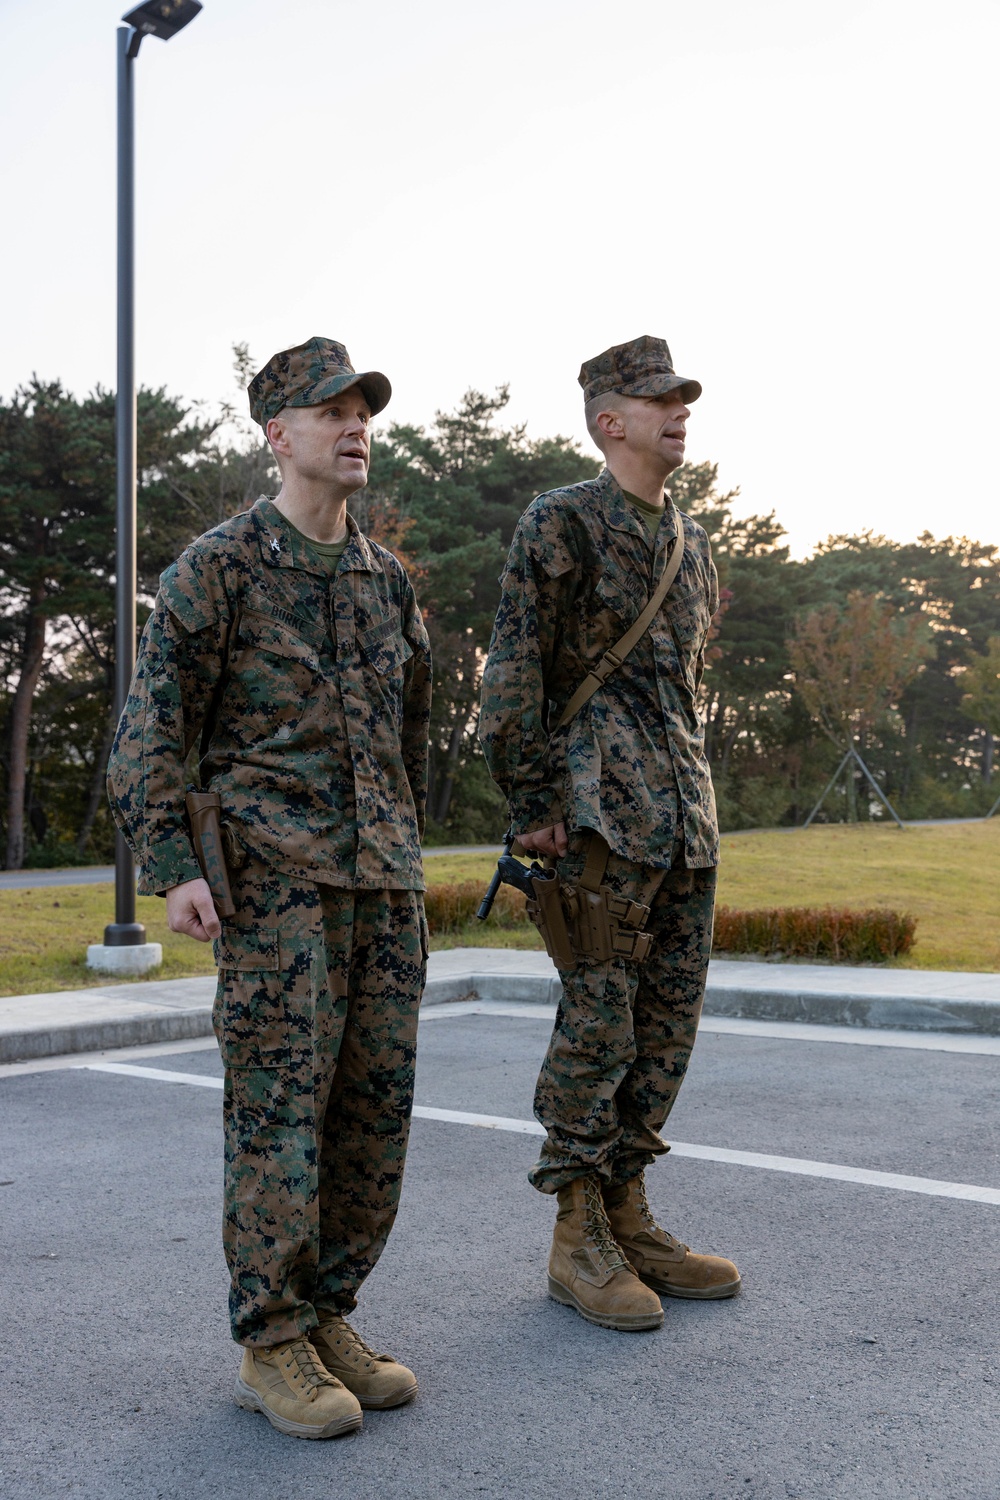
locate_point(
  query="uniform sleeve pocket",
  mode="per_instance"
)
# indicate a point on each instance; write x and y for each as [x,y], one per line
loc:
[555,557]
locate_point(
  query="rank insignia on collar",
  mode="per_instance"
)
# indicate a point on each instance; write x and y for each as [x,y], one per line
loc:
[275,546]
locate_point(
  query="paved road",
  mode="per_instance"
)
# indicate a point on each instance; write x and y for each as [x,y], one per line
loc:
[101,874]
[860,1361]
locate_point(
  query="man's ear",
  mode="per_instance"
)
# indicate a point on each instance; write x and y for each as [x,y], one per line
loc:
[611,424]
[276,433]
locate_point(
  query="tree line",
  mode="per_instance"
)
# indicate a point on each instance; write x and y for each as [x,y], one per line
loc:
[891,648]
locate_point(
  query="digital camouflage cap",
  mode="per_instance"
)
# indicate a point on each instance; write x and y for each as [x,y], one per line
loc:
[309,374]
[640,368]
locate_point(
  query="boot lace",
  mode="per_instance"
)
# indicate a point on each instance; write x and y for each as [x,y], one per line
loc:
[598,1229]
[642,1204]
[646,1214]
[339,1331]
[308,1368]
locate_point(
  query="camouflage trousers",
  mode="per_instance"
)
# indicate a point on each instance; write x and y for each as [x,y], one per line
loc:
[624,1032]
[316,1017]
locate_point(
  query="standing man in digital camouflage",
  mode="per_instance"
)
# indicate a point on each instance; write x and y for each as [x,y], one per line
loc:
[607,775]
[286,662]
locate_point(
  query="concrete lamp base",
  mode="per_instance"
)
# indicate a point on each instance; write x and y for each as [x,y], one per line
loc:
[136,958]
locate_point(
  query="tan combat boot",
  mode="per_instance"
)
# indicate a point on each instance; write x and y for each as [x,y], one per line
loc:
[661,1261]
[377,1380]
[296,1394]
[586,1268]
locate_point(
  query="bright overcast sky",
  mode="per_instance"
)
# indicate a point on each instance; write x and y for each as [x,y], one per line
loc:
[799,196]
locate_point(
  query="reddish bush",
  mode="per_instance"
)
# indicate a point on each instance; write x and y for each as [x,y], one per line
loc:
[792,931]
[816,932]
[449,907]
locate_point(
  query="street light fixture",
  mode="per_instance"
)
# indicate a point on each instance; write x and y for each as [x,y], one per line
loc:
[125,948]
[162,18]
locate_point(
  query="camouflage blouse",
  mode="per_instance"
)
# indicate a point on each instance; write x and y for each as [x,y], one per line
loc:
[631,764]
[302,698]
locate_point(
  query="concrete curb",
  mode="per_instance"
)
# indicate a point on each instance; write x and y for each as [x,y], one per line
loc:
[894,1013]
[99,1036]
[132,1015]
[147,1023]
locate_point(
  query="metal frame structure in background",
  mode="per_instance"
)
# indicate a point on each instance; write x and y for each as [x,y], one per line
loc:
[163,19]
[853,754]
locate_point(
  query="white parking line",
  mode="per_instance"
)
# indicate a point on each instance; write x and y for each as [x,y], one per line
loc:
[781,1031]
[522,1011]
[798,1166]
[488,1122]
[930,1186]
[159,1075]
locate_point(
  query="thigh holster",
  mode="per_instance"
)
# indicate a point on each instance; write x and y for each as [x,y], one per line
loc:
[603,925]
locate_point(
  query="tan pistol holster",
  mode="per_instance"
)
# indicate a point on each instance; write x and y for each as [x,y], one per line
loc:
[547,912]
[204,810]
[603,925]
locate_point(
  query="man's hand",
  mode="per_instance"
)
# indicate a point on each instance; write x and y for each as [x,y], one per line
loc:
[191,910]
[551,841]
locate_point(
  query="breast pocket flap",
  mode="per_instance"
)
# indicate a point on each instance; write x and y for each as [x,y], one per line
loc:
[689,617]
[262,633]
[386,651]
[618,596]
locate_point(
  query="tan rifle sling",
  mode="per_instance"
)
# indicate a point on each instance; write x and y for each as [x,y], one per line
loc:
[616,654]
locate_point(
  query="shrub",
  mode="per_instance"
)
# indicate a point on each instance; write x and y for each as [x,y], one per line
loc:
[830,932]
[449,907]
[816,932]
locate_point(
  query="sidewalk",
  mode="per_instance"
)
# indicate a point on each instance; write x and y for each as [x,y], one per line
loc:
[131,1015]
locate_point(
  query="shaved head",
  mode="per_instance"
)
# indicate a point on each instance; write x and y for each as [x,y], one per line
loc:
[610,401]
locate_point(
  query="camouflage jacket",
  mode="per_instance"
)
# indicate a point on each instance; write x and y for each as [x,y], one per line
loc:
[631,764]
[304,698]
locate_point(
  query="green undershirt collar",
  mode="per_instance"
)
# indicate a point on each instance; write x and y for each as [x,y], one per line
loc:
[329,553]
[650,513]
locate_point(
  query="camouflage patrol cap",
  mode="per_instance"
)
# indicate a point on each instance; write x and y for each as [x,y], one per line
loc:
[309,374]
[640,368]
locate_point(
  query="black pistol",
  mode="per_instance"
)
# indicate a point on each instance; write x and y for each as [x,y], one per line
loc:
[540,888]
[486,905]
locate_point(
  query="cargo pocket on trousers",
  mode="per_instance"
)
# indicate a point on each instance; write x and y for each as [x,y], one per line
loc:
[250,1015]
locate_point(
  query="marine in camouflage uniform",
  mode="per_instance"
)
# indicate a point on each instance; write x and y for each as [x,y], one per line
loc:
[299,686]
[626,783]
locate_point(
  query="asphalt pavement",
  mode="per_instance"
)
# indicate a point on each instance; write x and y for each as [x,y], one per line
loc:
[856,1182]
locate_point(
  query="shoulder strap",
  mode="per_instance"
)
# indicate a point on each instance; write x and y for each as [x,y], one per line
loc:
[616,654]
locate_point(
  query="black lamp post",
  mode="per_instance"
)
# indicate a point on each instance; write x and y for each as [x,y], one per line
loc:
[162,18]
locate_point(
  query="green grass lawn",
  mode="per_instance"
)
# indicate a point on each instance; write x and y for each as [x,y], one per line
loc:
[948,877]
[44,933]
